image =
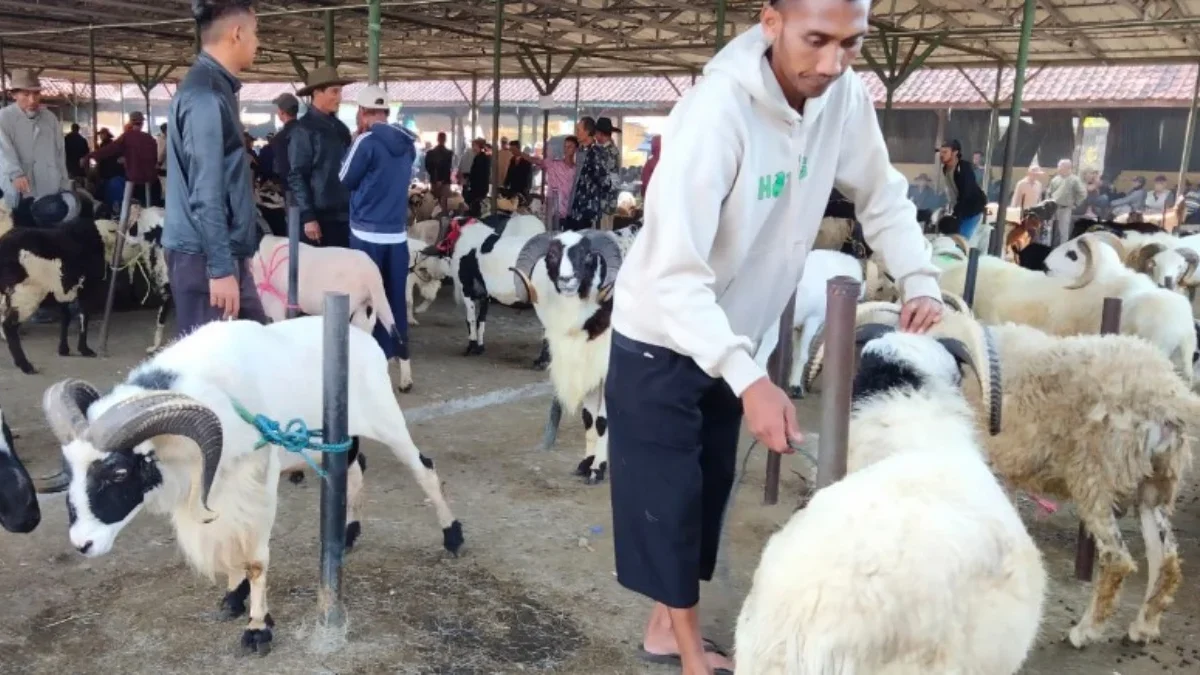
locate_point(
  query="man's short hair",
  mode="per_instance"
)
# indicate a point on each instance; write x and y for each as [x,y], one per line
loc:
[589,124]
[208,12]
[74,128]
[515,144]
[163,127]
[441,137]
[572,139]
[288,104]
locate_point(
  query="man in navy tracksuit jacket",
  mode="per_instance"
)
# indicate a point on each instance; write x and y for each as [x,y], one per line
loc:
[377,171]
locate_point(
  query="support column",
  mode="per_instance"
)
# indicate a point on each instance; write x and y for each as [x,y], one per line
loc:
[497,46]
[474,106]
[329,59]
[720,24]
[1014,124]
[1189,136]
[577,81]
[92,75]
[374,19]
[896,72]
[993,136]
[3,77]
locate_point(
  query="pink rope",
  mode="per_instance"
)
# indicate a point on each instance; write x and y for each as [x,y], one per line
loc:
[265,286]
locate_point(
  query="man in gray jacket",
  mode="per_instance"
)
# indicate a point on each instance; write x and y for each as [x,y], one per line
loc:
[210,221]
[32,156]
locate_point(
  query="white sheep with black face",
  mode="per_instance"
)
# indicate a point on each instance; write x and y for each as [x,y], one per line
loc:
[916,562]
[19,510]
[169,439]
[568,278]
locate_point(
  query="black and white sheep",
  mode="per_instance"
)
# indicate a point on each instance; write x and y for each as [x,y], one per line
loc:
[64,262]
[916,562]
[568,277]
[171,440]
[19,510]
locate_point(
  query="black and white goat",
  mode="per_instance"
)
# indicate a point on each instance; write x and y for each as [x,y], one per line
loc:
[170,439]
[64,262]
[568,278]
[481,263]
[19,510]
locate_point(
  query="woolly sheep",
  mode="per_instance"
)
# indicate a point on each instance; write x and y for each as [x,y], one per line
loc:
[325,270]
[918,543]
[1102,421]
[169,439]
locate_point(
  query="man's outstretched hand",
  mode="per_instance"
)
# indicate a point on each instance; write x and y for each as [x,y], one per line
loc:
[771,416]
[920,314]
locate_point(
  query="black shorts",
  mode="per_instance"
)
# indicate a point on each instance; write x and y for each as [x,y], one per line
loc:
[672,455]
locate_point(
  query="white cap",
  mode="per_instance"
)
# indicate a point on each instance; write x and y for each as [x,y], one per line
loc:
[372,98]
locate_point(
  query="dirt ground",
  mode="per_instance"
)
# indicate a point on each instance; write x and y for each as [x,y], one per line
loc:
[533,592]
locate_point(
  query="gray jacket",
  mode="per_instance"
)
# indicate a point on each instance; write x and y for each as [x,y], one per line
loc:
[31,147]
[210,197]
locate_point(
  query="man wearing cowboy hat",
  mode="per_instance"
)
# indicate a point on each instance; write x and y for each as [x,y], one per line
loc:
[316,148]
[32,154]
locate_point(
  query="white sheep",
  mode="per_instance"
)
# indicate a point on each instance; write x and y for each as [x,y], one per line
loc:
[1099,420]
[1160,256]
[916,562]
[1059,306]
[568,278]
[170,439]
[425,275]
[325,270]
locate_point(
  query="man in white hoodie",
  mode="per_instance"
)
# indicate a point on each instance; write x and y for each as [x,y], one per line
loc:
[756,148]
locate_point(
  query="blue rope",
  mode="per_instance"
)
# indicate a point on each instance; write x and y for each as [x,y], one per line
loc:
[296,437]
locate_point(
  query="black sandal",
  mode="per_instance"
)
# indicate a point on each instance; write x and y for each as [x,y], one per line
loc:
[710,647]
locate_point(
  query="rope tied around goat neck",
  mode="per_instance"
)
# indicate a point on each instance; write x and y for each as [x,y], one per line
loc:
[295,437]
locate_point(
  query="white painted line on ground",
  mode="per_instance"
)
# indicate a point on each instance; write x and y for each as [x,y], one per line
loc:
[466,404]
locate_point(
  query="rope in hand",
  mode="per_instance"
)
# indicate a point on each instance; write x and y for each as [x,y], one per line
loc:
[296,437]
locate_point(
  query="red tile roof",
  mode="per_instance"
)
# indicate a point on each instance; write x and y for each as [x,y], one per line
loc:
[1052,87]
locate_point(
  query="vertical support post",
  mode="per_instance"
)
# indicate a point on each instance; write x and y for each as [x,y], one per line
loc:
[1189,136]
[1085,544]
[329,59]
[837,383]
[114,265]
[199,41]
[888,100]
[3,77]
[968,294]
[474,106]
[992,138]
[92,76]
[293,294]
[1014,124]
[146,86]
[497,46]
[335,423]
[720,24]
[546,140]
[374,26]
[578,79]
[779,367]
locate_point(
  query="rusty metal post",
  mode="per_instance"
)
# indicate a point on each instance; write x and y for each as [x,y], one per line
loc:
[836,384]
[335,423]
[114,266]
[779,367]
[968,294]
[1085,544]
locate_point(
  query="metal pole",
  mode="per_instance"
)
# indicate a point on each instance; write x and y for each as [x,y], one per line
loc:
[721,31]
[546,136]
[779,366]
[329,61]
[114,265]
[1085,543]
[841,298]
[474,107]
[968,294]
[293,294]
[146,92]
[993,136]
[335,423]
[374,21]
[3,77]
[1189,136]
[1014,125]
[577,82]
[496,103]
[92,73]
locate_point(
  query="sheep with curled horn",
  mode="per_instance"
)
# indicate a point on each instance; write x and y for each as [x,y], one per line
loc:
[1099,420]
[568,277]
[1170,267]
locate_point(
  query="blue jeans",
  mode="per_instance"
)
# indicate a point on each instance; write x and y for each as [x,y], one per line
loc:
[392,261]
[967,225]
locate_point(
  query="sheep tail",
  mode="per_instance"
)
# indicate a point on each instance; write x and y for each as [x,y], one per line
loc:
[380,307]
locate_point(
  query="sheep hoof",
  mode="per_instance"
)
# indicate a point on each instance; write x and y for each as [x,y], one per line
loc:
[413,322]
[541,364]
[597,475]
[84,351]
[233,604]
[296,477]
[27,368]
[1079,637]
[796,393]
[452,538]
[585,467]
[473,349]
[404,388]
[1140,634]
[64,350]
[258,641]
[353,530]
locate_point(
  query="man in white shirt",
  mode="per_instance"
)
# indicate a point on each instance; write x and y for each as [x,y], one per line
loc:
[756,147]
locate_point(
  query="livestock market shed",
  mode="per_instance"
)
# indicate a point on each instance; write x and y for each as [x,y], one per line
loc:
[534,587]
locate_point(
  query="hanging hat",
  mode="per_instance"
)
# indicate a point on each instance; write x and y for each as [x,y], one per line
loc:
[325,76]
[24,80]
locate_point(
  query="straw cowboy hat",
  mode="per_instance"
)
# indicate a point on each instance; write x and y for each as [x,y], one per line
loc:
[24,80]
[325,76]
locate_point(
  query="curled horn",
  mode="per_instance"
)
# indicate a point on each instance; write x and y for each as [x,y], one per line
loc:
[1114,241]
[1089,265]
[65,406]
[1193,261]
[143,417]
[956,303]
[534,250]
[867,313]
[1141,258]
[606,245]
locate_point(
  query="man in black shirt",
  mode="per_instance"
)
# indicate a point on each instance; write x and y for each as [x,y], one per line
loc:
[439,162]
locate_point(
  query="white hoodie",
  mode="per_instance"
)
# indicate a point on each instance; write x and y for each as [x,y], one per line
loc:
[735,205]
